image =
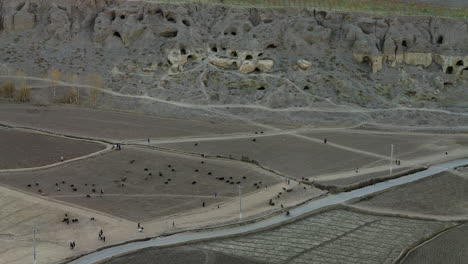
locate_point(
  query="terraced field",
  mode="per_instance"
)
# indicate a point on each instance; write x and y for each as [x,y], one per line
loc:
[337,236]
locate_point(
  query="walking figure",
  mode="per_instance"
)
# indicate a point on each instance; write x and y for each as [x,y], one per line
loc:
[149,140]
[325,141]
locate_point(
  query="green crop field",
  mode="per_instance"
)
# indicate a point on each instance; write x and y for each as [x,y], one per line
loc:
[390,7]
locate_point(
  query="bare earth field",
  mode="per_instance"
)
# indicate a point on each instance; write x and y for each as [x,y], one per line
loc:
[132,185]
[181,255]
[292,156]
[405,146]
[21,213]
[336,236]
[448,247]
[110,125]
[21,149]
[444,195]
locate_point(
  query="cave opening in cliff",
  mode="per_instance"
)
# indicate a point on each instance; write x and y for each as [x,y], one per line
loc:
[257,70]
[449,70]
[183,51]
[272,46]
[306,87]
[460,63]
[122,16]
[214,49]
[186,22]
[113,15]
[117,34]
[261,88]
[404,43]
[440,40]
[141,17]
[248,57]
[233,54]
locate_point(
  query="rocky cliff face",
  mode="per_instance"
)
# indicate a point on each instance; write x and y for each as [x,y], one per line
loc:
[262,64]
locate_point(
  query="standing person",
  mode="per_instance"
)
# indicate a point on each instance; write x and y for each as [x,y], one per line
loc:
[173,224]
[61,158]
[325,141]
[149,140]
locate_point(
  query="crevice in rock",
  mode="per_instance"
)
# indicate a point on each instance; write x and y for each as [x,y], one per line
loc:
[169,34]
[272,46]
[112,16]
[20,6]
[440,40]
[186,22]
[460,63]
[449,70]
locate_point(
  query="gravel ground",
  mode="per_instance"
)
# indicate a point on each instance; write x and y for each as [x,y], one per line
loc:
[25,150]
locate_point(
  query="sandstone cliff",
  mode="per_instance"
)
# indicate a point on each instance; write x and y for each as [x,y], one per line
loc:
[264,64]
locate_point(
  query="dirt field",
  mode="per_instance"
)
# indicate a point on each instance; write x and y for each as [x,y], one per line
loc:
[288,155]
[21,213]
[336,236]
[25,150]
[110,125]
[142,196]
[449,247]
[443,195]
[404,146]
[181,255]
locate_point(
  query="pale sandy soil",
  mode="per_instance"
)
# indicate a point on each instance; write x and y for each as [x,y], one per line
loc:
[54,236]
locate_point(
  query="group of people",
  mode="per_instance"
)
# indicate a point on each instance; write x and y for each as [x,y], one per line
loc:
[72,245]
[117,146]
[102,236]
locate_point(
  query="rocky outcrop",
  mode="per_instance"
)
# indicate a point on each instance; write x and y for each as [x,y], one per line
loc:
[217,54]
[304,64]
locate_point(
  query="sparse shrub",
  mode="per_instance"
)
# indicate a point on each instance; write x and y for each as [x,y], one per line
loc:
[96,83]
[70,97]
[24,94]
[8,90]
[55,77]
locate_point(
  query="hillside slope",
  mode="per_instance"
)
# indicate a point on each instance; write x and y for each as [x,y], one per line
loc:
[267,65]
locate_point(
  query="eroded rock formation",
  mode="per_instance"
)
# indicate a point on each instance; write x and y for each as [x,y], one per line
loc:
[276,58]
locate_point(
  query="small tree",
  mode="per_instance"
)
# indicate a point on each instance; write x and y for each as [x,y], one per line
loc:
[24,93]
[96,83]
[54,75]
[8,89]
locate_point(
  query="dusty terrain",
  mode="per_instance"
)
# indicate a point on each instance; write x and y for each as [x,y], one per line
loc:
[212,78]
[291,65]
[444,196]
[110,125]
[289,155]
[136,191]
[22,149]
